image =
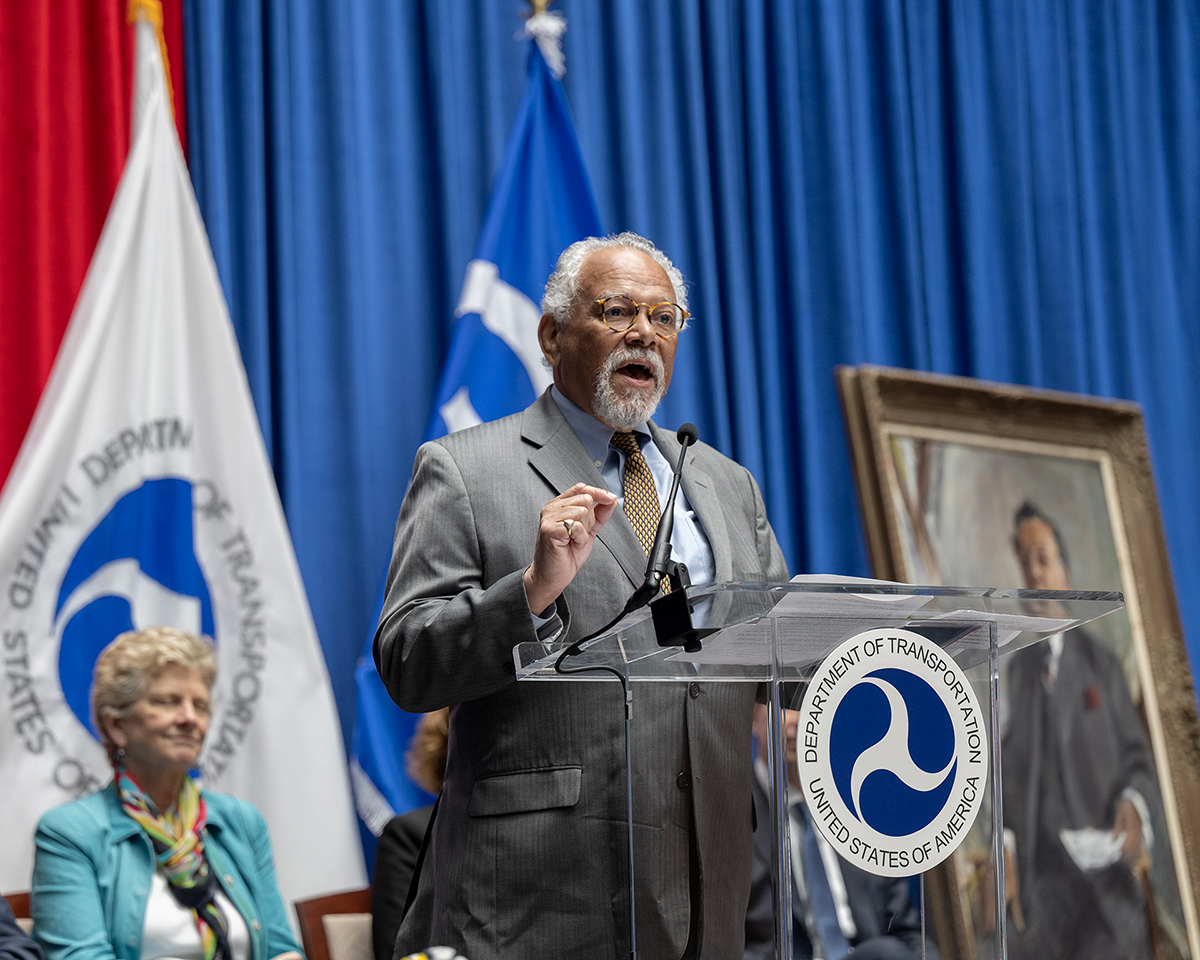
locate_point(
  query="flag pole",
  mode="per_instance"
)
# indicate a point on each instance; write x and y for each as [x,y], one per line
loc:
[546,28]
[493,366]
[152,12]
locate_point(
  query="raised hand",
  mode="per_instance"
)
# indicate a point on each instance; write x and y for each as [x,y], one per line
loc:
[566,531]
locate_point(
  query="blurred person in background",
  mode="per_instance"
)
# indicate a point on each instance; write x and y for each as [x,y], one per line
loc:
[15,943]
[400,843]
[837,909]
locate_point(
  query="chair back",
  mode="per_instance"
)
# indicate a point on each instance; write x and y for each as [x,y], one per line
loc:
[337,927]
[20,908]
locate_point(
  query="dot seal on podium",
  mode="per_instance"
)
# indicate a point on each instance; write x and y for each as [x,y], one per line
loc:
[892,752]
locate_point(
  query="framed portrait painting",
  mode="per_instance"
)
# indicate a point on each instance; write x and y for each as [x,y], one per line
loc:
[968,483]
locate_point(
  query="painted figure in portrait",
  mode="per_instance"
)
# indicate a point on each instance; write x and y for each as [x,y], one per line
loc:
[1089,857]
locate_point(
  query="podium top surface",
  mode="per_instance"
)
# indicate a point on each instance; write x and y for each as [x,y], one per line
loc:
[766,631]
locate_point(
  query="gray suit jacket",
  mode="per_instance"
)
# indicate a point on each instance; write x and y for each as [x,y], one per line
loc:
[528,852]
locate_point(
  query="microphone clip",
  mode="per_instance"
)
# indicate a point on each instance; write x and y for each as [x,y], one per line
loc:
[672,614]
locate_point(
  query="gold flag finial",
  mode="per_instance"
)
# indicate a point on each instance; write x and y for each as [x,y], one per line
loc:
[547,27]
[152,11]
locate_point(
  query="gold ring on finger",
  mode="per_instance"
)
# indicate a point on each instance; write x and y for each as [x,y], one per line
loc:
[568,524]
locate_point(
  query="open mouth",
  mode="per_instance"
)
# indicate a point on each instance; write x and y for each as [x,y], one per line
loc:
[637,372]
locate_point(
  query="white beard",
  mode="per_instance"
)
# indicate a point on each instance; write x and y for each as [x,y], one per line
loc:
[626,412]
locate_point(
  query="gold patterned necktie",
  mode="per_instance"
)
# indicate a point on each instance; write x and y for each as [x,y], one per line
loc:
[641,496]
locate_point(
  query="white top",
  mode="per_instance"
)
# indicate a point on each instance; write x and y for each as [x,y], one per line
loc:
[169,931]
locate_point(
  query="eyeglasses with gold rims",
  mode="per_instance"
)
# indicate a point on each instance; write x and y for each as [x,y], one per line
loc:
[619,313]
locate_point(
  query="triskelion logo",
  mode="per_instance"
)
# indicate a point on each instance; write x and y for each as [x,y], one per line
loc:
[892,753]
[114,549]
[136,568]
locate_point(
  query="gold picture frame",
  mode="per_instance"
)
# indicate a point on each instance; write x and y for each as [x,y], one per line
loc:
[942,465]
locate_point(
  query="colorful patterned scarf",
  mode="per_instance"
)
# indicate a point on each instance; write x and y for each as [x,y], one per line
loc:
[180,853]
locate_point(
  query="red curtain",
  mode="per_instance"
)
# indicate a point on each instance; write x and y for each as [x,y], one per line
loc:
[65,81]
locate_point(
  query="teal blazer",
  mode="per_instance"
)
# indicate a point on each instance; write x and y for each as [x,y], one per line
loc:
[92,871]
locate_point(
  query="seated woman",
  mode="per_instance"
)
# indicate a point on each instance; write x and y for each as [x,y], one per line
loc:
[151,866]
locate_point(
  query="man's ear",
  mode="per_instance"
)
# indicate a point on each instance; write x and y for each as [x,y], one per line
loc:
[548,338]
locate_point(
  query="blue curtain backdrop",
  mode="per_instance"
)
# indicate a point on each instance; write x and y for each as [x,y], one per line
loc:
[1004,189]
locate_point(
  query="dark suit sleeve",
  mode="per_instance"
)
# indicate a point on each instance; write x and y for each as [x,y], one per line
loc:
[444,637]
[1133,752]
[15,944]
[395,861]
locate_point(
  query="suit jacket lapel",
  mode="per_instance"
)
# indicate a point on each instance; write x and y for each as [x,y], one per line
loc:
[561,459]
[559,456]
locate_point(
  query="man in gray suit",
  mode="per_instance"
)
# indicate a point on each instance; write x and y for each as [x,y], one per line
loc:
[516,531]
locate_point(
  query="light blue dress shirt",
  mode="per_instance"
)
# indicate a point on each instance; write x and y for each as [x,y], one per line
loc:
[689,544]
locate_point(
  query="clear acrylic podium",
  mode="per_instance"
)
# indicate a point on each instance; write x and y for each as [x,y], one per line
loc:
[778,634]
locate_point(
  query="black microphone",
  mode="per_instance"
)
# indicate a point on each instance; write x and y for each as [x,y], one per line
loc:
[660,553]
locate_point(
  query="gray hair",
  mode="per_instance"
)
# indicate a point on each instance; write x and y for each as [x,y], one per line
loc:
[563,285]
[128,664]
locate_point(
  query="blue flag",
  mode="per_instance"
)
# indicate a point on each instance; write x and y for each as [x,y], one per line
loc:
[541,203]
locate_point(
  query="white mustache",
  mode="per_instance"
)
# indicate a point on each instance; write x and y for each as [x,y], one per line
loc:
[644,355]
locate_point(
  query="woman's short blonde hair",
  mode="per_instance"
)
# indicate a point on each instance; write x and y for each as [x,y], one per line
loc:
[127,666]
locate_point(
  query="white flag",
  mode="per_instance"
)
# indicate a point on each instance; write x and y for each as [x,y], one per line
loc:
[142,495]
